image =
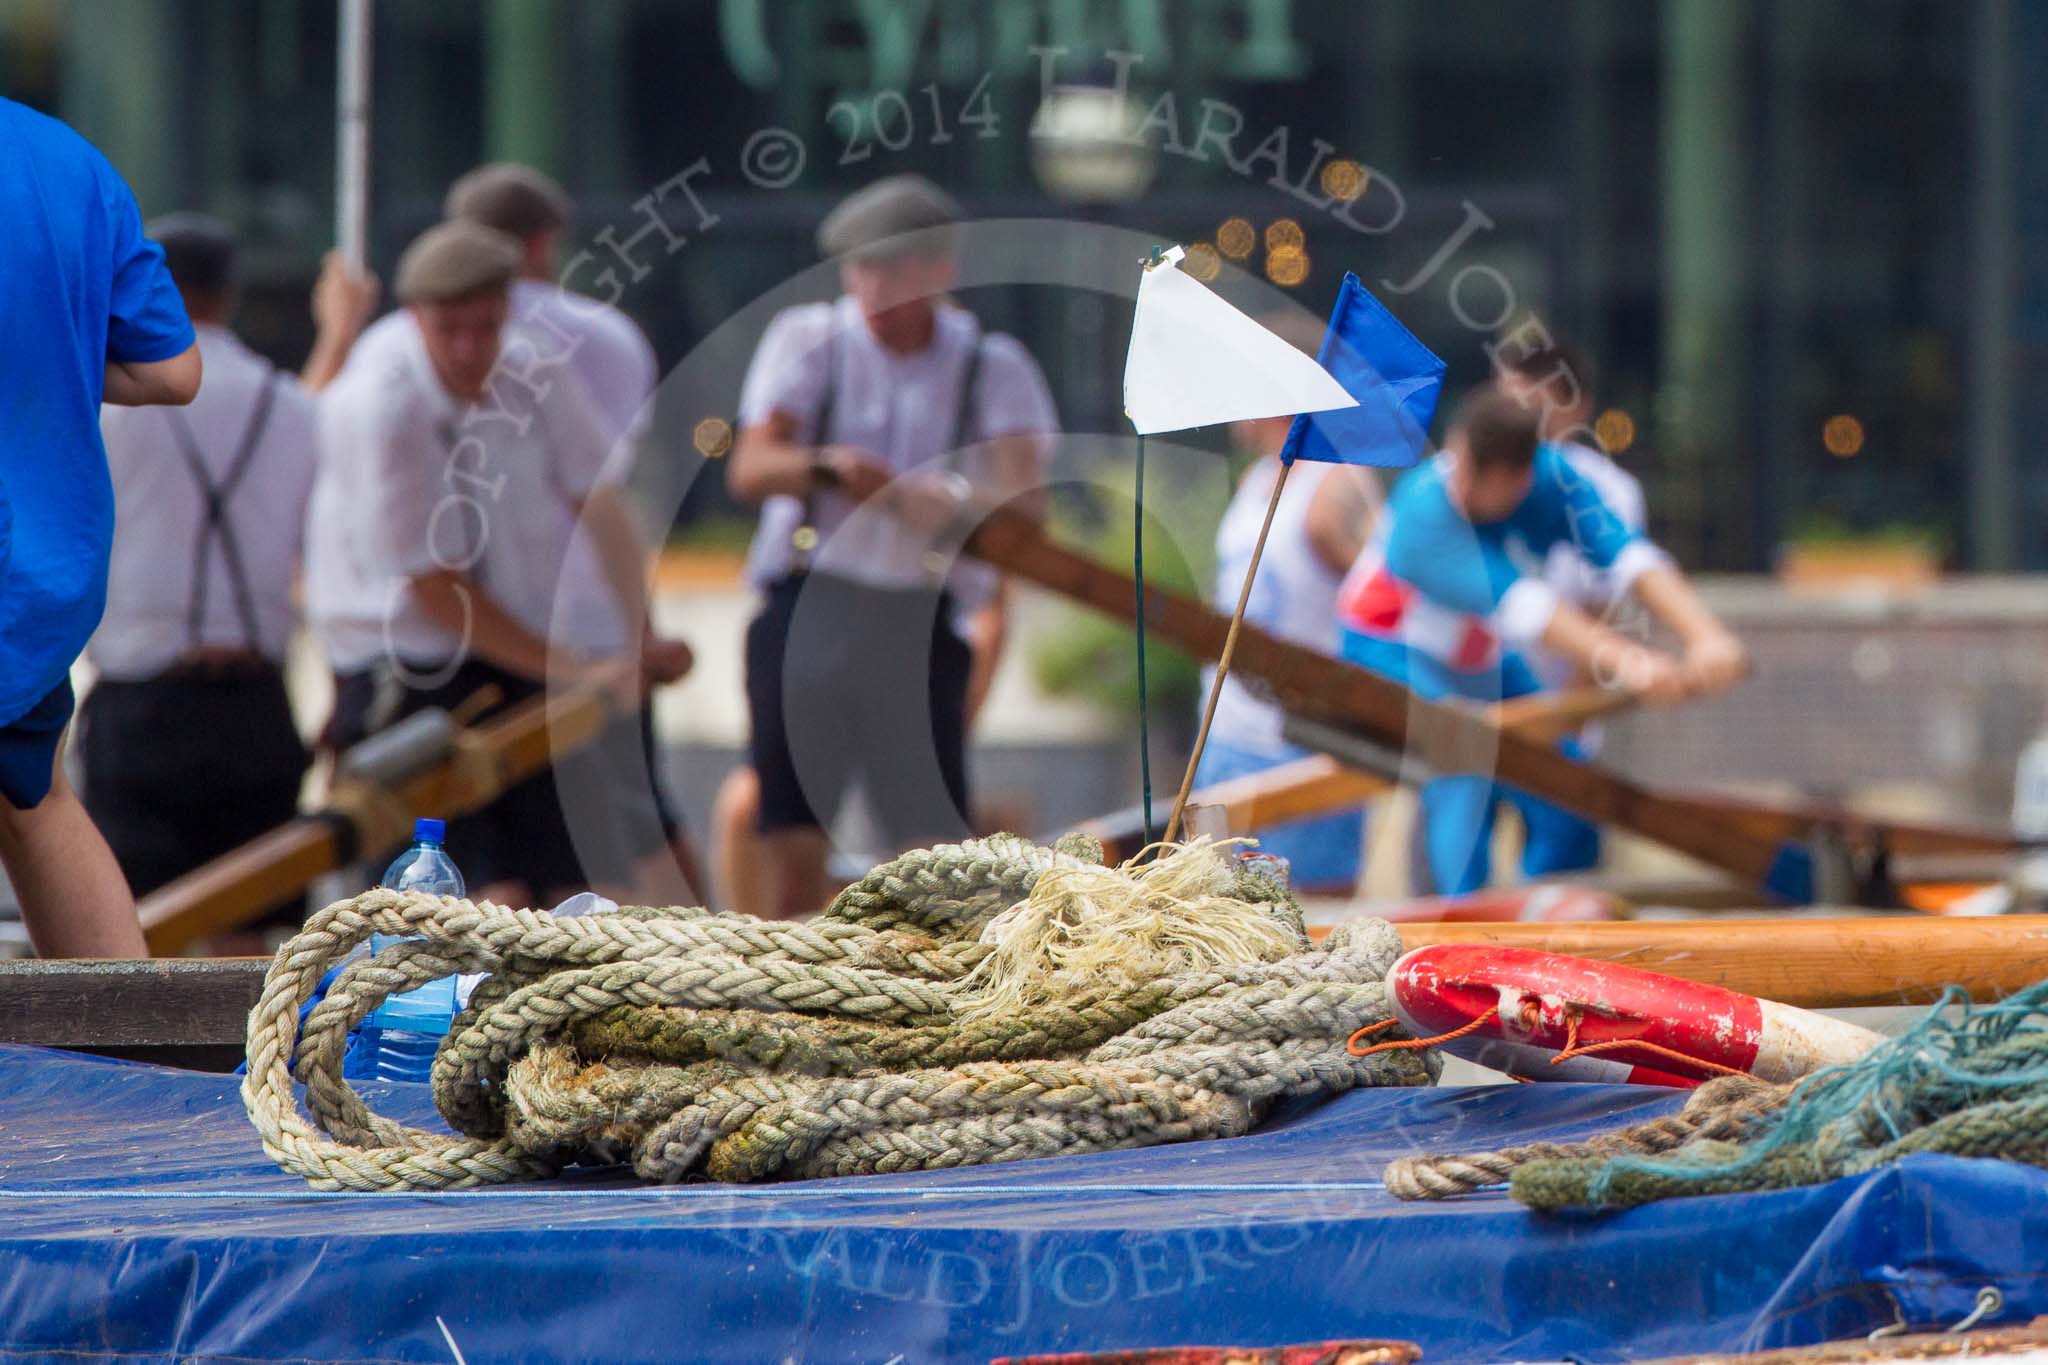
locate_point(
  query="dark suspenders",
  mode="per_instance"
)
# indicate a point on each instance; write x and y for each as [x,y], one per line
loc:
[806,536]
[216,526]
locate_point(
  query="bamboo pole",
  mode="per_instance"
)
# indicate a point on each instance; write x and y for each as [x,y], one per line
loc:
[1244,597]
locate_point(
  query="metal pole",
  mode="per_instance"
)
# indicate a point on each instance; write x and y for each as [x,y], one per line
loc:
[352,133]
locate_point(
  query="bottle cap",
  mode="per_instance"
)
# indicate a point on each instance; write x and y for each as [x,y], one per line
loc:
[427,830]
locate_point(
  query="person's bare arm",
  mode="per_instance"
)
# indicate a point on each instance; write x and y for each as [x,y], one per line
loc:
[769,460]
[141,383]
[1340,517]
[621,553]
[1017,473]
[1611,658]
[1714,659]
[458,604]
[342,304]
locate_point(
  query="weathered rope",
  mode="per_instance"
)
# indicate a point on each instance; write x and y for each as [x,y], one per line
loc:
[1721,1109]
[1974,1085]
[694,1044]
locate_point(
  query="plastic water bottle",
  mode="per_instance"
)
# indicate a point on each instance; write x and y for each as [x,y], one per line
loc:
[400,1036]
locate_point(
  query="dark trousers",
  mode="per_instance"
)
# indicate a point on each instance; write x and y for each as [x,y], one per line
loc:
[184,767]
[525,835]
[846,681]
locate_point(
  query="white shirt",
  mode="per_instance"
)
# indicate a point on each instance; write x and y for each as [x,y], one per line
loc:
[1568,571]
[611,359]
[1294,594]
[1571,575]
[154,577]
[411,480]
[616,365]
[902,410]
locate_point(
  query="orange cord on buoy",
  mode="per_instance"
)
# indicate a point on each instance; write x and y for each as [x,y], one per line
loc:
[1406,1044]
[1572,1049]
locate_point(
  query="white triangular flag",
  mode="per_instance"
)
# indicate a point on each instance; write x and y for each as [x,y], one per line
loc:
[1195,360]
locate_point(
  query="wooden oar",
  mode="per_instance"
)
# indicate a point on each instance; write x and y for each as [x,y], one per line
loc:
[1291,791]
[1318,785]
[1310,683]
[1813,962]
[1759,845]
[1550,716]
[239,886]
[1795,819]
[202,1004]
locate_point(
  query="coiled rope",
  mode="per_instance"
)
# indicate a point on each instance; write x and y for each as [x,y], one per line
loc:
[692,1044]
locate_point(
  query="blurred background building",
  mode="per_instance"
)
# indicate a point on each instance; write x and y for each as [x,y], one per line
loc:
[1808,243]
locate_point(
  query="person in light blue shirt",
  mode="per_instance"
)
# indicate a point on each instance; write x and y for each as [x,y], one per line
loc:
[88,313]
[1450,597]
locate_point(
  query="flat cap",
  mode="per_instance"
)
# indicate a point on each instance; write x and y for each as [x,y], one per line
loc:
[455,260]
[199,248]
[509,197]
[904,215]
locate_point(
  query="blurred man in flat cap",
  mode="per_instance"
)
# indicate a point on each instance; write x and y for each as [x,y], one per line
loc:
[871,429]
[613,360]
[209,518]
[441,519]
[562,337]
[88,314]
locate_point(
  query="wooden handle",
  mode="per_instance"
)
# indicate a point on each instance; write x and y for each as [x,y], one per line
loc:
[1310,683]
[1549,716]
[1814,963]
[243,883]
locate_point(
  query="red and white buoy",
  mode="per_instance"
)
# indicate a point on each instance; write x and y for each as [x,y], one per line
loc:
[1544,1016]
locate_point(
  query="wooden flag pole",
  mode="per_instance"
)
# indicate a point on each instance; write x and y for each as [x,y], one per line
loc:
[1244,597]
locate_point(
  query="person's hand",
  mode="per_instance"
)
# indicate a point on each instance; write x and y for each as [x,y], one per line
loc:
[622,684]
[929,502]
[342,299]
[859,475]
[1651,674]
[1714,663]
[665,661]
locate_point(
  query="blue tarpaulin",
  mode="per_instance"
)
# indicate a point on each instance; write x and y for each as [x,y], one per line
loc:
[139,1217]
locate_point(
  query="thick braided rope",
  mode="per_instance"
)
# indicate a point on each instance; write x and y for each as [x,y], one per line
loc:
[803,1049]
[1722,1109]
[1258,1043]
[1954,1115]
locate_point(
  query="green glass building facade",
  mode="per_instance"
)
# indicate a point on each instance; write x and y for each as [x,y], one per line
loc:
[1755,216]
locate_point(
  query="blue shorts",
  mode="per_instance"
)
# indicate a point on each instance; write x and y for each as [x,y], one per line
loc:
[1323,851]
[28,748]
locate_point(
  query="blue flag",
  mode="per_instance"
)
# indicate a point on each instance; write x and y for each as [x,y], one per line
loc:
[1395,378]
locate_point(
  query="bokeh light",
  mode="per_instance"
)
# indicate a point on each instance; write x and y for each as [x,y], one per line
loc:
[1615,430]
[1287,266]
[1202,261]
[1235,238]
[1284,234]
[712,437]
[1842,434]
[1343,180]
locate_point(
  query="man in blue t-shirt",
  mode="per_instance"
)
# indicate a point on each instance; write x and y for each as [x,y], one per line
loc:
[88,314]
[1450,595]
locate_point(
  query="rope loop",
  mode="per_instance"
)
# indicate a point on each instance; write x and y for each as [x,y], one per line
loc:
[691,1044]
